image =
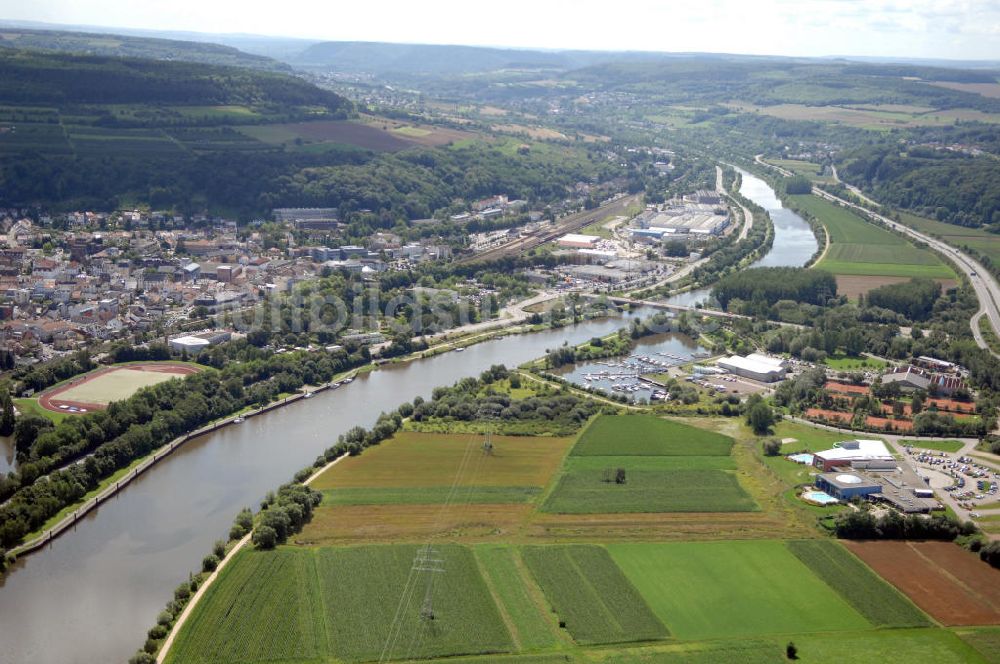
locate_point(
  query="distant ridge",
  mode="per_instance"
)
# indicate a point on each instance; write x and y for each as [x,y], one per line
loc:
[154,48]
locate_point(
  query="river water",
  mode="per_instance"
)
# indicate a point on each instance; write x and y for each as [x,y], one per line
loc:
[90,596]
[794,241]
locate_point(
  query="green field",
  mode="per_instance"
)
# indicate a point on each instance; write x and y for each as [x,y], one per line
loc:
[907,645]
[871,647]
[984,639]
[298,605]
[881,604]
[861,248]
[278,590]
[587,492]
[530,627]
[745,651]
[591,595]
[411,459]
[703,590]
[29,406]
[842,362]
[939,445]
[430,495]
[807,169]
[958,236]
[366,584]
[648,435]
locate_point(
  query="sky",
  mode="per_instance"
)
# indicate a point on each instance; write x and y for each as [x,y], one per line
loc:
[950,29]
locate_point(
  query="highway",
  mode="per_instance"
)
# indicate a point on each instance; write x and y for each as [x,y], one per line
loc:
[985,286]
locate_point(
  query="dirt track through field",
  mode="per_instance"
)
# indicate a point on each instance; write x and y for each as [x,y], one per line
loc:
[949,583]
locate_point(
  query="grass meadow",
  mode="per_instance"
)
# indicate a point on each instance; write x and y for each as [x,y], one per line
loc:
[588,492]
[858,247]
[648,435]
[938,445]
[704,590]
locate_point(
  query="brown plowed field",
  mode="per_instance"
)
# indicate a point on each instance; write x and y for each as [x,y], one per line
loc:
[949,583]
[854,285]
[368,524]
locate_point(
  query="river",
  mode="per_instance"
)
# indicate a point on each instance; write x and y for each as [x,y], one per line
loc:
[90,596]
[794,241]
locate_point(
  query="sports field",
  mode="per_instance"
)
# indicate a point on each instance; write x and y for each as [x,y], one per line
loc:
[97,389]
[858,247]
[703,590]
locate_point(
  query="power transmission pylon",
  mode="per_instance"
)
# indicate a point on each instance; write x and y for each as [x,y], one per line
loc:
[427,560]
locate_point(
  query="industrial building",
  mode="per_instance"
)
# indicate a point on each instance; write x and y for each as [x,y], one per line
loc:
[193,345]
[597,273]
[758,367]
[858,453]
[685,218]
[578,241]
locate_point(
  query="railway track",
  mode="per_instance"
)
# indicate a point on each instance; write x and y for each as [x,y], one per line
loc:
[573,222]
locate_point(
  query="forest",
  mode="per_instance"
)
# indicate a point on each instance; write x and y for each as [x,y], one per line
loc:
[61,79]
[768,285]
[914,298]
[948,186]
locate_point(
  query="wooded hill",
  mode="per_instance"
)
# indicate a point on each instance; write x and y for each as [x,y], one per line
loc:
[46,78]
[123,46]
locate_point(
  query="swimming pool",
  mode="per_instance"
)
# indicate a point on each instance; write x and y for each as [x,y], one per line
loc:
[819,497]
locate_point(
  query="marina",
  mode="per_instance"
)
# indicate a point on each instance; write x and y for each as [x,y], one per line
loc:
[632,375]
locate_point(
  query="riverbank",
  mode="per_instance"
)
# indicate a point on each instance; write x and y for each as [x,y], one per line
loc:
[207,583]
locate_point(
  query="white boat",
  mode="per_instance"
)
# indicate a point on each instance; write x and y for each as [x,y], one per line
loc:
[238,420]
[347,380]
[307,395]
[459,350]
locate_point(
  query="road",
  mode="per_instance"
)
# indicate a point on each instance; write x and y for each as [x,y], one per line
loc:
[985,286]
[747,214]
